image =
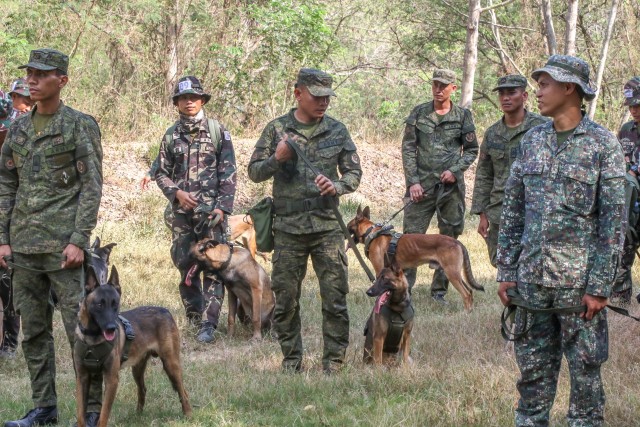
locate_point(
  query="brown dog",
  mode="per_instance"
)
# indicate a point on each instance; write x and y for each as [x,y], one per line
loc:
[388,329]
[101,344]
[414,250]
[243,232]
[247,283]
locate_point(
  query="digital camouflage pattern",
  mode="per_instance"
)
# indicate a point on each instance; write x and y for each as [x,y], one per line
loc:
[314,233]
[431,145]
[629,136]
[189,85]
[632,92]
[21,87]
[511,81]
[318,82]
[443,75]
[568,69]
[47,60]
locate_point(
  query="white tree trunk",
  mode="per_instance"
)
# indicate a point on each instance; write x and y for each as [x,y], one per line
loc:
[552,44]
[603,56]
[171,39]
[570,31]
[470,54]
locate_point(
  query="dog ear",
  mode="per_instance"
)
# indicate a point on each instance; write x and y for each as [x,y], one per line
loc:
[96,244]
[91,282]
[365,213]
[359,212]
[211,243]
[114,279]
[395,266]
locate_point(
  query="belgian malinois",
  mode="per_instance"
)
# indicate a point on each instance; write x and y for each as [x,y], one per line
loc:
[389,326]
[247,283]
[156,334]
[414,250]
[243,232]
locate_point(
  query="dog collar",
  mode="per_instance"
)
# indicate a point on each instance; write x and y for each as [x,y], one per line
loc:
[89,332]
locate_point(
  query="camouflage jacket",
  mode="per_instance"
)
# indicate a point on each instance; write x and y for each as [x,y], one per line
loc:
[195,166]
[498,151]
[329,148]
[563,218]
[629,136]
[430,147]
[50,183]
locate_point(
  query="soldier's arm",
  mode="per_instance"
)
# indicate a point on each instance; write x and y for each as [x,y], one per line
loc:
[484,179]
[163,176]
[263,164]
[226,174]
[611,220]
[469,146]
[89,164]
[154,168]
[8,189]
[410,150]
[349,168]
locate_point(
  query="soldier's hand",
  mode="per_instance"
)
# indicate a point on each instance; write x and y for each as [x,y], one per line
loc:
[483,226]
[325,185]
[502,292]
[416,192]
[594,305]
[144,182]
[283,152]
[73,256]
[186,200]
[447,177]
[5,251]
[217,212]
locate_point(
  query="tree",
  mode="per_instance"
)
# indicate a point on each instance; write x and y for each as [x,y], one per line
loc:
[570,31]
[550,34]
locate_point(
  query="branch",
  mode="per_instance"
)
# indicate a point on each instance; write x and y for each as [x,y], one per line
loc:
[495,6]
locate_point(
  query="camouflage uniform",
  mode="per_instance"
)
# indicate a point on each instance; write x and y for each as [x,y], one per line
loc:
[561,233]
[498,151]
[431,145]
[629,136]
[305,224]
[193,162]
[6,113]
[50,191]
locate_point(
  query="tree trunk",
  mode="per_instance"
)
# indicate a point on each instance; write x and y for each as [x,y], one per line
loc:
[171,40]
[496,35]
[570,31]
[470,54]
[603,56]
[552,44]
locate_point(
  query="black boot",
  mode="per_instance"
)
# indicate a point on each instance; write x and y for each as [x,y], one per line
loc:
[36,417]
[205,334]
[91,419]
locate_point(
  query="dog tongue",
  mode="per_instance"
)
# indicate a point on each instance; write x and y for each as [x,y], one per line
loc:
[382,299]
[190,273]
[109,335]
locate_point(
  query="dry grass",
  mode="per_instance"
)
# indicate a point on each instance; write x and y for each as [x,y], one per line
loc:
[461,375]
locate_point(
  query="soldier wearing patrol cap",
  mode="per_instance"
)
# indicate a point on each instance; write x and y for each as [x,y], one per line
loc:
[439,144]
[305,224]
[629,137]
[196,171]
[50,190]
[499,149]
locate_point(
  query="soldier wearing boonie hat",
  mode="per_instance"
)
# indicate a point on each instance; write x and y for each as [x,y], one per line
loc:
[439,144]
[561,233]
[21,98]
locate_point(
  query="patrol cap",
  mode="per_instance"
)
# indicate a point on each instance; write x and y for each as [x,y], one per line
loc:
[568,69]
[632,92]
[511,81]
[318,82]
[187,85]
[47,60]
[443,75]
[20,87]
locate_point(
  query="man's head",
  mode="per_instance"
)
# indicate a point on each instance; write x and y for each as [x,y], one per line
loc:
[443,84]
[313,91]
[632,98]
[512,93]
[46,73]
[20,95]
[189,96]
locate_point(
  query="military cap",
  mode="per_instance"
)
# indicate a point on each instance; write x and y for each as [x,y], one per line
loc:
[568,69]
[318,82]
[47,60]
[632,92]
[20,87]
[443,75]
[511,81]
[187,85]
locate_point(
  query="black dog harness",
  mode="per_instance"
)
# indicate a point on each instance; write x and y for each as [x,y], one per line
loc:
[370,235]
[397,320]
[94,356]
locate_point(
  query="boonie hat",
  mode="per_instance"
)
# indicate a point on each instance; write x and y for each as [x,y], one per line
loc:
[20,87]
[632,92]
[187,85]
[568,69]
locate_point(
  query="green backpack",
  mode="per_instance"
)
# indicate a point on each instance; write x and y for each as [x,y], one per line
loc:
[262,216]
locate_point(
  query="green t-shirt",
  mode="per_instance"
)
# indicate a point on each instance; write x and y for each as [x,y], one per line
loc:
[306,129]
[40,121]
[564,135]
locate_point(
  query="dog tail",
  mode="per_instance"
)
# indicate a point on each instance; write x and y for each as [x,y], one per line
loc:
[467,270]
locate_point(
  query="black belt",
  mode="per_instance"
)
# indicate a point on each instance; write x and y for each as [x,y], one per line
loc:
[290,206]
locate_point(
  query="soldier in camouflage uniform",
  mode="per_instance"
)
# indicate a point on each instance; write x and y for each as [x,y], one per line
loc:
[50,190]
[304,223]
[439,144]
[498,151]
[629,136]
[560,238]
[197,173]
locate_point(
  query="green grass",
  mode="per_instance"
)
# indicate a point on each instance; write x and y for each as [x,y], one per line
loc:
[461,374]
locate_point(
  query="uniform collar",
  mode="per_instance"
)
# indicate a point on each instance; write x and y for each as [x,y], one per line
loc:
[292,124]
[54,127]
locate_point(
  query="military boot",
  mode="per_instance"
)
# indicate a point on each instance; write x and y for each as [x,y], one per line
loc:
[205,334]
[36,417]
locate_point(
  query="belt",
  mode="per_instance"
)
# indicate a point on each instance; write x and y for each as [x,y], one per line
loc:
[290,206]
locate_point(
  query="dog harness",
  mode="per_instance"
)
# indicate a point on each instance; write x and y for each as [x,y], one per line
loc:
[94,356]
[370,235]
[396,319]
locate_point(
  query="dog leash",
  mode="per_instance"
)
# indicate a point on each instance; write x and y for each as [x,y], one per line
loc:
[334,207]
[410,202]
[206,223]
[12,264]
[516,301]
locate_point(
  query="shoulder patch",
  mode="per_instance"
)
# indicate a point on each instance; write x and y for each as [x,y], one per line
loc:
[355,158]
[227,135]
[81,166]
[470,136]
[9,164]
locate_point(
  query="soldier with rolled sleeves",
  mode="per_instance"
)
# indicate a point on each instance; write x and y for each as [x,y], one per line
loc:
[197,173]
[439,144]
[498,151]
[50,191]
[561,234]
[304,224]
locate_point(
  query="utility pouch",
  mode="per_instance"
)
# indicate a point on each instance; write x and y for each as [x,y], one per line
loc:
[262,216]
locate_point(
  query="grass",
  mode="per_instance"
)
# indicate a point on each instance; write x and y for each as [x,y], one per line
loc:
[461,374]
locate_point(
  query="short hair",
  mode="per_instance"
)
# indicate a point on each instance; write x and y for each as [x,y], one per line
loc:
[60,73]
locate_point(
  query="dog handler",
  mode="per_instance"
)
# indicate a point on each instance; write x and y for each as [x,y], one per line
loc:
[50,190]
[560,240]
[305,224]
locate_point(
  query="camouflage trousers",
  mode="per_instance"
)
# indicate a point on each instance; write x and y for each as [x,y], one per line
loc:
[289,269]
[32,293]
[449,207]
[492,242]
[11,320]
[623,275]
[539,355]
[206,293]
